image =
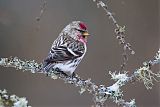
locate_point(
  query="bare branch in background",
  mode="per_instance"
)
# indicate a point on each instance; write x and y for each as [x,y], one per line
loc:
[43,7]
[119,32]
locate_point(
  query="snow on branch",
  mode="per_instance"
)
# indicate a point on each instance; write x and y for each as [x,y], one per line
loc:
[100,93]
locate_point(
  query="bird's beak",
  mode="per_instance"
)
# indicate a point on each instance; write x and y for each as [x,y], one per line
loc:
[86,34]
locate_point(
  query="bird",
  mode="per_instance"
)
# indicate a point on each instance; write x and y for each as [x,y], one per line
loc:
[68,49]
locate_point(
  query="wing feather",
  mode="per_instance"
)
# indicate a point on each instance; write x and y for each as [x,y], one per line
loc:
[59,55]
[64,48]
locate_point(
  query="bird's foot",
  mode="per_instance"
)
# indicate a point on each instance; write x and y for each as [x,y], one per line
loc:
[58,71]
[73,75]
[55,71]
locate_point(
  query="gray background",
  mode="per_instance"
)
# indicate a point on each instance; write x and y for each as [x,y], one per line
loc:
[22,36]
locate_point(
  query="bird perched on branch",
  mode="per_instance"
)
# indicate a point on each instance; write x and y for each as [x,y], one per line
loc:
[68,49]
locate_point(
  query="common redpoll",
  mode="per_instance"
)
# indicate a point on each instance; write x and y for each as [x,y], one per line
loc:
[68,49]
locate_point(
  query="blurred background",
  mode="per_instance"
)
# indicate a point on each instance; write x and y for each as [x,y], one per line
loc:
[22,36]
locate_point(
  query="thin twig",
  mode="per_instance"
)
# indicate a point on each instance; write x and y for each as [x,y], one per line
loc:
[43,7]
[119,32]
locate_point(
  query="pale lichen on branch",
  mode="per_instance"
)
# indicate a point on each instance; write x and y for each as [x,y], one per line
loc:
[100,93]
[7,100]
[119,32]
[146,75]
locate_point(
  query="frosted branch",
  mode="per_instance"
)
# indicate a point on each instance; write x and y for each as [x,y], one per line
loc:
[100,93]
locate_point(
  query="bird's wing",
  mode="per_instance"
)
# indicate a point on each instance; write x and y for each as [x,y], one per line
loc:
[62,53]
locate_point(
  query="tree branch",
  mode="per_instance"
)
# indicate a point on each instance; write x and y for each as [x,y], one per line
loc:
[100,93]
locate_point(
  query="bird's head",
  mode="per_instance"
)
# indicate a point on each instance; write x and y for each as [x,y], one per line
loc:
[77,30]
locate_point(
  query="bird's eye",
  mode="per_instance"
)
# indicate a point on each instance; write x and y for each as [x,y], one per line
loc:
[83,36]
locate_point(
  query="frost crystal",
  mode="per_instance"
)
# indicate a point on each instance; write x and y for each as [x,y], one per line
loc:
[119,76]
[22,102]
[132,103]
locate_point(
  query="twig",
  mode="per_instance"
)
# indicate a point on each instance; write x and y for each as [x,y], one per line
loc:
[42,10]
[119,32]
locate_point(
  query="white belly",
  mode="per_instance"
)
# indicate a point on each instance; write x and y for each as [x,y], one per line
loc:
[69,66]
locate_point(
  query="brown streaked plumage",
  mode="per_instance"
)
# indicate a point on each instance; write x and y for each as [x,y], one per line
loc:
[68,49]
